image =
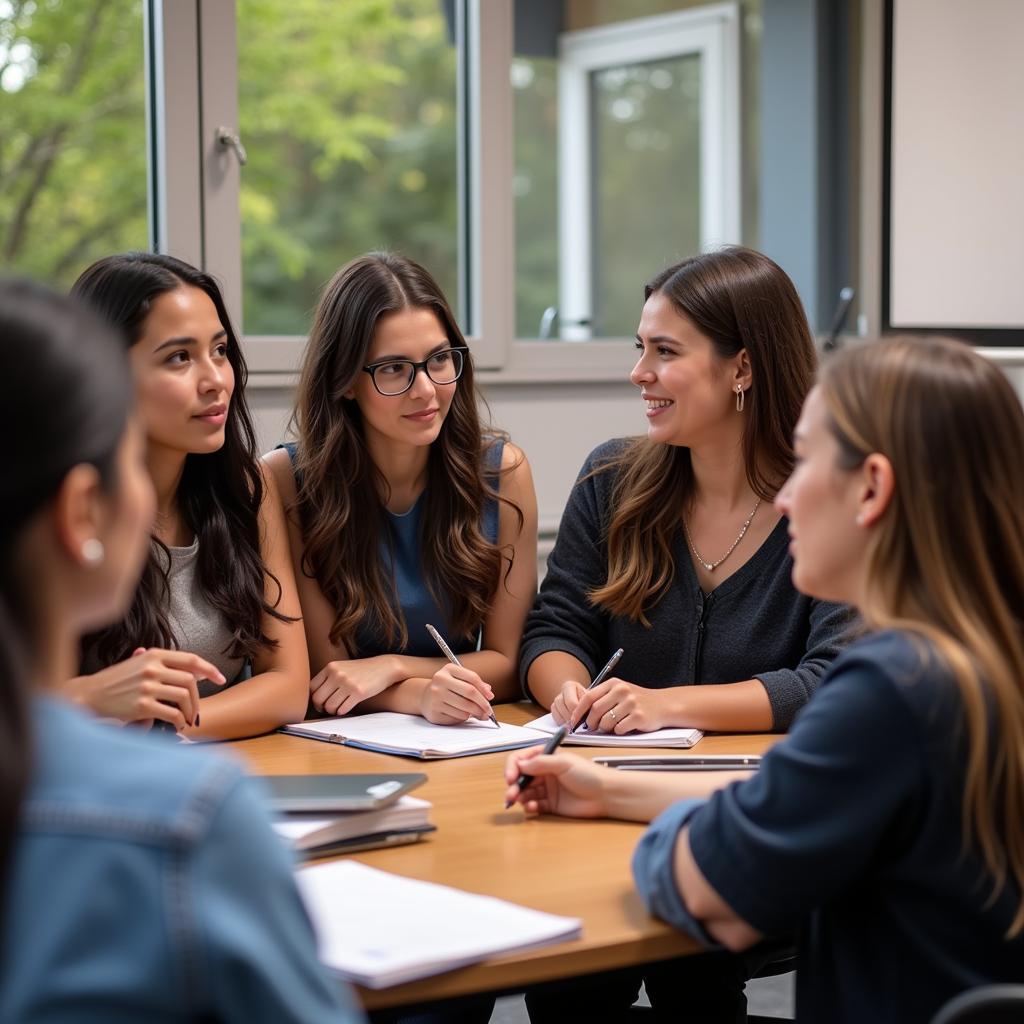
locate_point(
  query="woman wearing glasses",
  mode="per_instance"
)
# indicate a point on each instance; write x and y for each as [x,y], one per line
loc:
[403,510]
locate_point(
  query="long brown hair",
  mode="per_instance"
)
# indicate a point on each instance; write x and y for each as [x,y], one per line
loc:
[946,561]
[342,496]
[738,299]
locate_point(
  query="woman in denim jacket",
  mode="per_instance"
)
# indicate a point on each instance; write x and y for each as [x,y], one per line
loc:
[140,882]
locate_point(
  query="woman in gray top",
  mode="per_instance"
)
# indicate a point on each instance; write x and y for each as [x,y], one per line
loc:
[217,603]
[669,546]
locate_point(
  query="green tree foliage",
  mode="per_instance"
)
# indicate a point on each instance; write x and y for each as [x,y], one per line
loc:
[72,134]
[347,111]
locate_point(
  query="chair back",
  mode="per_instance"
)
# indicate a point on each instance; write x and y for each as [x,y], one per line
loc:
[988,1004]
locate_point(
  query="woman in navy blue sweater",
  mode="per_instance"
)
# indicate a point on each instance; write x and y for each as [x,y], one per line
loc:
[889,827]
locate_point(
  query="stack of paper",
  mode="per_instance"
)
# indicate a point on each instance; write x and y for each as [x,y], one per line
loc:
[388,732]
[379,929]
[677,738]
[317,835]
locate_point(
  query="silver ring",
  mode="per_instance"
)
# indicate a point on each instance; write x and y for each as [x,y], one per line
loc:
[614,717]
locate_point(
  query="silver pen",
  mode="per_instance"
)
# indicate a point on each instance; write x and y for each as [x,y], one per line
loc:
[600,678]
[450,655]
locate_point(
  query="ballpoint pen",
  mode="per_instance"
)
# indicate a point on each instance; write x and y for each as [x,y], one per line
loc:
[549,748]
[599,678]
[450,655]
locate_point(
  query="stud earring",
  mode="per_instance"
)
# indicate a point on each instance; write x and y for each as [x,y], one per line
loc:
[92,552]
[740,397]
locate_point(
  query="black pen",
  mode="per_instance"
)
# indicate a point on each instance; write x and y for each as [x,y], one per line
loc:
[450,655]
[549,748]
[599,678]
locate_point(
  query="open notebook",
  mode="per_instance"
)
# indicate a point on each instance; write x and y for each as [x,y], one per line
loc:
[380,929]
[677,738]
[388,732]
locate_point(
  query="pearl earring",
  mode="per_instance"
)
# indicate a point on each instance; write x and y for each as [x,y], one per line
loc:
[740,397]
[92,552]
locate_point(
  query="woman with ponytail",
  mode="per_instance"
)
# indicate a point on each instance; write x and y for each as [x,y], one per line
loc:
[127,864]
[217,603]
[888,828]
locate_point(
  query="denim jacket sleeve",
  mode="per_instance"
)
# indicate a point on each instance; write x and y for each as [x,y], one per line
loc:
[654,870]
[258,956]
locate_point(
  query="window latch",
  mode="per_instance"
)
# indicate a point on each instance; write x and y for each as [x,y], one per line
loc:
[228,139]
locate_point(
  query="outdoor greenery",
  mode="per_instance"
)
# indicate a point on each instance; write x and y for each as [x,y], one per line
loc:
[347,111]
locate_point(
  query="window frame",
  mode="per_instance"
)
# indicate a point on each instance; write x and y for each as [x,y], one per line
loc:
[192,49]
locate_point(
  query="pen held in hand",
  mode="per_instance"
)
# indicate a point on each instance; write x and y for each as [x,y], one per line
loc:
[549,748]
[450,655]
[600,678]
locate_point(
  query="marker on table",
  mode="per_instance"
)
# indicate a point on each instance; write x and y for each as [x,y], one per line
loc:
[450,655]
[600,678]
[549,748]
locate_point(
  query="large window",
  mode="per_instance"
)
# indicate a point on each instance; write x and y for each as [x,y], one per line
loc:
[348,115]
[629,136]
[73,181]
[541,157]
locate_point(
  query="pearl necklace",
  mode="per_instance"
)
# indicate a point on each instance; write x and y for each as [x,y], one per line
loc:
[710,566]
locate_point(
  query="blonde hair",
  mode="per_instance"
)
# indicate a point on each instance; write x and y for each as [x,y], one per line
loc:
[946,561]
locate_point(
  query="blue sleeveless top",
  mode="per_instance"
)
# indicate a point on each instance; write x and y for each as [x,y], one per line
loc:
[400,552]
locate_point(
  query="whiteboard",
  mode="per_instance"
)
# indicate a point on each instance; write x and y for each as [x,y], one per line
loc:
[956,241]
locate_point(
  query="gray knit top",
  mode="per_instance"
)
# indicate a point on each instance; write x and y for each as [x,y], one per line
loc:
[197,626]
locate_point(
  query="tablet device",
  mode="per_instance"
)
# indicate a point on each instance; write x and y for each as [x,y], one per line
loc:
[320,793]
[683,762]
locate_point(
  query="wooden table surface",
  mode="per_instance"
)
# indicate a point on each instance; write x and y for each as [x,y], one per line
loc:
[573,868]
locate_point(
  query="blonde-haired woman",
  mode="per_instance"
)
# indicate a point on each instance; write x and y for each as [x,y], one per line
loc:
[889,826]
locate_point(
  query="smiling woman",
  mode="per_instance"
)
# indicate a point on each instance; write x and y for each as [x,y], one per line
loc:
[404,510]
[669,548]
[217,602]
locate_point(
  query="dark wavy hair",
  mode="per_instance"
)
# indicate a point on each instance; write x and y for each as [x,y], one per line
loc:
[66,402]
[343,494]
[738,299]
[220,492]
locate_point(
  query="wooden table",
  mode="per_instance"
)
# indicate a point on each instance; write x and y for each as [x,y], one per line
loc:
[568,867]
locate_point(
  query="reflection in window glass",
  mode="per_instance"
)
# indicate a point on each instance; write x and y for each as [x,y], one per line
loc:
[632,172]
[646,142]
[347,111]
[72,135]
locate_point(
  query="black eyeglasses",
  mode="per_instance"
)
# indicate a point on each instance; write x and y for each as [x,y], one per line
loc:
[395,376]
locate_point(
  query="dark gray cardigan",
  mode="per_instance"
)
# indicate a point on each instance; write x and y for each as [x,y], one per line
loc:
[755,625]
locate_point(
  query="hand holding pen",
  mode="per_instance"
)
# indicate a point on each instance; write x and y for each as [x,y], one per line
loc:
[600,678]
[524,779]
[450,655]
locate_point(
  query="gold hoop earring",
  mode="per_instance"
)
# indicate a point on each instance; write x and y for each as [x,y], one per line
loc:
[740,397]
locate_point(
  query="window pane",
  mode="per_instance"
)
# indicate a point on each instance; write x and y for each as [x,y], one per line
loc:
[347,111]
[72,135]
[646,185]
[643,168]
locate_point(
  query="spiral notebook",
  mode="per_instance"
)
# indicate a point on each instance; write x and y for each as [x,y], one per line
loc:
[679,739]
[388,732]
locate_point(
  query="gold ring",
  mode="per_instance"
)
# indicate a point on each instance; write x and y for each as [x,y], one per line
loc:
[614,717]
